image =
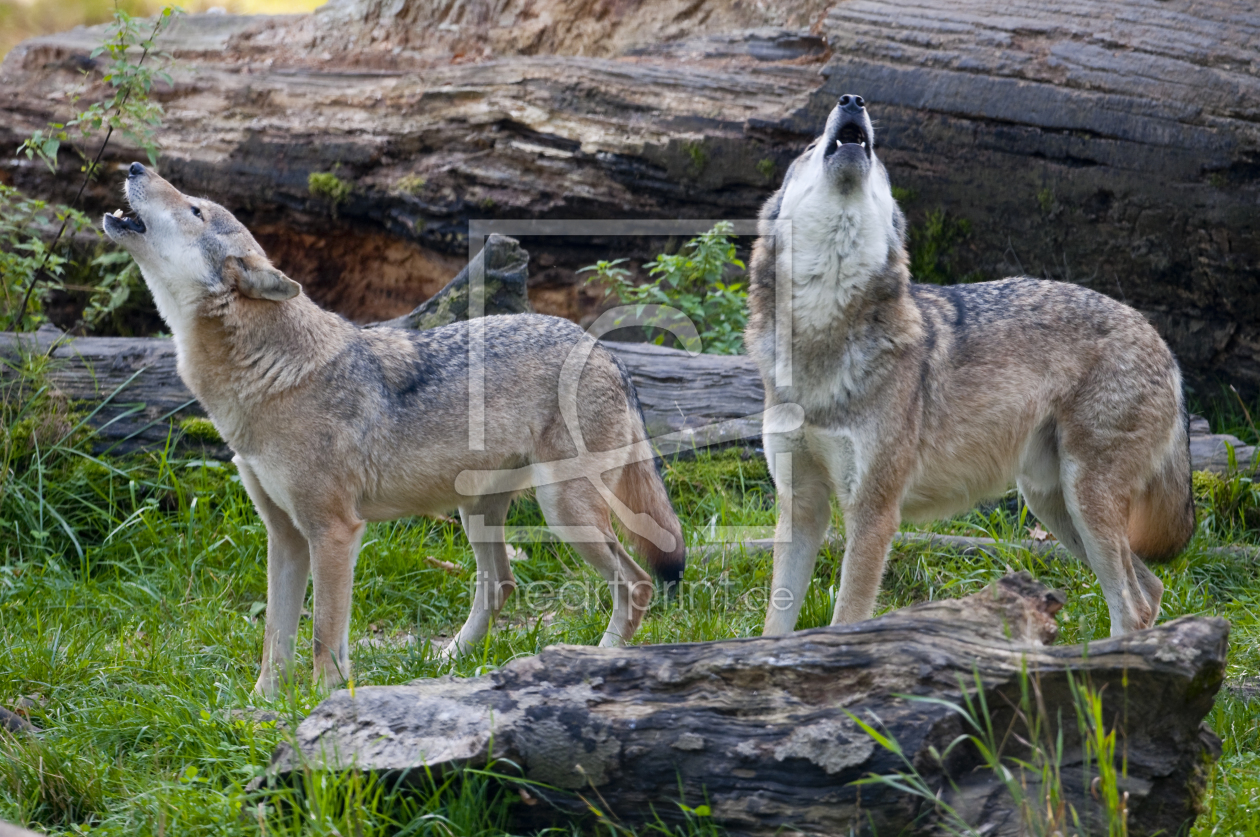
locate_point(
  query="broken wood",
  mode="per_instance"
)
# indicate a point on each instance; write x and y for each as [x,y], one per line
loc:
[762,730]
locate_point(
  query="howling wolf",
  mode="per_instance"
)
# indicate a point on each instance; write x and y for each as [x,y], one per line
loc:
[920,400]
[333,426]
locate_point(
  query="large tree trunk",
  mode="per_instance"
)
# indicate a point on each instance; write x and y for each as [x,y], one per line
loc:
[762,730]
[1113,144]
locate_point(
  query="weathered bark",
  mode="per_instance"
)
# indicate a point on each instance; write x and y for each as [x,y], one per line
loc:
[1115,144]
[692,402]
[762,729]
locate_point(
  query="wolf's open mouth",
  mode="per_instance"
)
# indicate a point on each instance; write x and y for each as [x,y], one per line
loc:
[851,133]
[131,222]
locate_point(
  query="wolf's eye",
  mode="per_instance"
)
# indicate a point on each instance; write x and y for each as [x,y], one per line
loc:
[196,212]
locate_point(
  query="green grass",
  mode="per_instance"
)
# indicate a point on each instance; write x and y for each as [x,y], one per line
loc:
[131,608]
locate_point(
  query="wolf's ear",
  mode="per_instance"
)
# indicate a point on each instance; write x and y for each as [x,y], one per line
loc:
[256,278]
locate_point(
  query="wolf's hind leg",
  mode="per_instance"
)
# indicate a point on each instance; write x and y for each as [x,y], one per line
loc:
[804,515]
[494,582]
[1099,511]
[288,567]
[578,504]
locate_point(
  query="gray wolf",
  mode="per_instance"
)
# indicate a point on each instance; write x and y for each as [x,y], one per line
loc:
[920,400]
[333,426]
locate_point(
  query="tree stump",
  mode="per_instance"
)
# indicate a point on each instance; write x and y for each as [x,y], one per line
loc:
[762,730]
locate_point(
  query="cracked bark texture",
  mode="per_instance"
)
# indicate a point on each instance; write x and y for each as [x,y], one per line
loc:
[760,728]
[1113,144]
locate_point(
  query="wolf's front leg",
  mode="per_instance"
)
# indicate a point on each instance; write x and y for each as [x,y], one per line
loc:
[334,549]
[288,567]
[804,514]
[869,524]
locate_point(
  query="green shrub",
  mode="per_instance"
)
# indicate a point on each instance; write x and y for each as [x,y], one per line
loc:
[932,246]
[691,281]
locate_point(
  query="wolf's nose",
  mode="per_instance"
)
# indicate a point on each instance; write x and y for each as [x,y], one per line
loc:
[852,104]
[135,170]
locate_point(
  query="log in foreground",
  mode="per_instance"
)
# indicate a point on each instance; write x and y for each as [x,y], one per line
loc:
[760,729]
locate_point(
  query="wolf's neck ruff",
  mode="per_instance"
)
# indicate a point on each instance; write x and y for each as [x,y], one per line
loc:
[235,353]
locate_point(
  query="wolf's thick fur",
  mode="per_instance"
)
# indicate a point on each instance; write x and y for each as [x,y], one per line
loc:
[920,400]
[333,425]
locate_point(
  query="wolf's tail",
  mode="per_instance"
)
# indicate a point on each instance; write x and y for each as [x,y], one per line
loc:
[643,490]
[1161,514]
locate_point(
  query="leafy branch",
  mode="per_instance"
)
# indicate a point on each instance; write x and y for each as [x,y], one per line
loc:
[128,110]
[692,281]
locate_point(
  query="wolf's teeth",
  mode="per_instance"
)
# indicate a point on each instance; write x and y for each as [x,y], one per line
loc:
[862,143]
[839,143]
[118,213]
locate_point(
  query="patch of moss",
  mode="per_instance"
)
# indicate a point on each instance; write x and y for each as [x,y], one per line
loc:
[766,167]
[325,184]
[699,157]
[411,184]
[1045,200]
[200,430]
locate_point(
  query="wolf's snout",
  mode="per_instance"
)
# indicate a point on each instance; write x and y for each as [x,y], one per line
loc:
[135,170]
[851,103]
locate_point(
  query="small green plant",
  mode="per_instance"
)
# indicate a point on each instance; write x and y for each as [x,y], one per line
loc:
[692,281]
[699,157]
[766,167]
[932,246]
[1045,200]
[1027,757]
[330,187]
[128,109]
[28,264]
[1228,505]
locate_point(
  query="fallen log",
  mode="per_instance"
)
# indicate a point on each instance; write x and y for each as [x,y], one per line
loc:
[763,730]
[701,401]
[1114,145]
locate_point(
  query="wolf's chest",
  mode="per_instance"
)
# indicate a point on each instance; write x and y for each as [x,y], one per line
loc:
[832,262]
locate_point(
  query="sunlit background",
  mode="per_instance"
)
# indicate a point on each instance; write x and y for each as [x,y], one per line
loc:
[22,19]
